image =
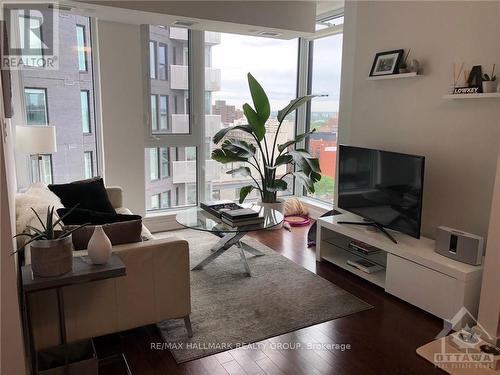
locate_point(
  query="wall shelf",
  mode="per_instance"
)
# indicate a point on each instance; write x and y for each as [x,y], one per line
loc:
[472,96]
[394,76]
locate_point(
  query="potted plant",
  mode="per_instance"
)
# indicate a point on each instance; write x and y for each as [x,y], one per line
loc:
[263,157]
[489,82]
[51,249]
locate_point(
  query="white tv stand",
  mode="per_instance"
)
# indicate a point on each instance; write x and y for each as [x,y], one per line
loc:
[412,270]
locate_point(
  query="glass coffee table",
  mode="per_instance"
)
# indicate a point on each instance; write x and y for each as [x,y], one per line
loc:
[199,219]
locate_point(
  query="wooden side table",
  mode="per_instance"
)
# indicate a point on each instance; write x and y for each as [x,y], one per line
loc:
[83,272]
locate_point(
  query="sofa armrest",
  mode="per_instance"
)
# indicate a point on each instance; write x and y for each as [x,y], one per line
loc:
[157,285]
[115,195]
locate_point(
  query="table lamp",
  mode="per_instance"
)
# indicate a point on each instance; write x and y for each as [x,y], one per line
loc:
[36,140]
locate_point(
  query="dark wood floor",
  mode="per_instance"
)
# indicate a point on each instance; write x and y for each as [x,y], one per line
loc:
[383,340]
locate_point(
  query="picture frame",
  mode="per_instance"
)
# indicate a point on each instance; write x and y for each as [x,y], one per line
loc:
[386,63]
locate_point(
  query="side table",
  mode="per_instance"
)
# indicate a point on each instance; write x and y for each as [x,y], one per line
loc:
[83,272]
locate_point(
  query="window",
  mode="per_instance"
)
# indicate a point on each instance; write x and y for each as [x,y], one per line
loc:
[154,172]
[154,113]
[45,97]
[155,202]
[30,31]
[41,168]
[165,162]
[164,113]
[88,164]
[84,101]
[162,61]
[171,117]
[228,59]
[165,199]
[325,64]
[81,48]
[36,106]
[152,60]
[171,170]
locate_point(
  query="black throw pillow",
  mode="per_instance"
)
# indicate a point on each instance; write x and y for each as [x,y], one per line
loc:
[83,216]
[88,194]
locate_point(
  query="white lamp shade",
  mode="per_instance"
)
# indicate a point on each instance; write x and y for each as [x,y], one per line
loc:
[36,139]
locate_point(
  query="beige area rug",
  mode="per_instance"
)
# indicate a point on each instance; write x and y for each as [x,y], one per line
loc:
[230,309]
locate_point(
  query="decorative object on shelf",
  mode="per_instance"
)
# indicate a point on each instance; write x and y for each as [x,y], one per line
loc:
[414,66]
[465,82]
[461,246]
[386,63]
[51,250]
[490,82]
[235,150]
[403,66]
[99,248]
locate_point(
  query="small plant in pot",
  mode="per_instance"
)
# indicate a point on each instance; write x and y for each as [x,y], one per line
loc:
[490,82]
[51,249]
[263,158]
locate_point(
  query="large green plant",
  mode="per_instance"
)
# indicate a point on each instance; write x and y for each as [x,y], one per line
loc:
[302,165]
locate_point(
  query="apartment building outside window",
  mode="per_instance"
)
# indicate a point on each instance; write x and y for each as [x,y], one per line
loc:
[41,168]
[88,164]
[81,46]
[85,105]
[46,98]
[36,106]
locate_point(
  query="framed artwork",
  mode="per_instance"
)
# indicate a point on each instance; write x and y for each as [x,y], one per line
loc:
[386,63]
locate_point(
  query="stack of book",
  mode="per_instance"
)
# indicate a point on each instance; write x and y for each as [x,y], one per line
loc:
[242,216]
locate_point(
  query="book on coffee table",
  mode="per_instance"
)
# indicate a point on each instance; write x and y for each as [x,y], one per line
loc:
[244,222]
[216,208]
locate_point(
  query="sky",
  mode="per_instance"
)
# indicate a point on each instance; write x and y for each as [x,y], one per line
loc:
[274,64]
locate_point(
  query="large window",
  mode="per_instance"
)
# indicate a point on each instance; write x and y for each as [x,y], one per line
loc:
[154,113]
[84,101]
[81,48]
[152,60]
[47,97]
[36,106]
[228,59]
[325,65]
[164,113]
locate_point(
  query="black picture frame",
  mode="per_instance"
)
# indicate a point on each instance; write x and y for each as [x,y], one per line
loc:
[395,55]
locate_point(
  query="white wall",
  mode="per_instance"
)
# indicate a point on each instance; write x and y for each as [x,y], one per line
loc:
[122,95]
[459,138]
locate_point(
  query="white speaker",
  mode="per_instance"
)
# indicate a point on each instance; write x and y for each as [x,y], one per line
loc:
[462,246]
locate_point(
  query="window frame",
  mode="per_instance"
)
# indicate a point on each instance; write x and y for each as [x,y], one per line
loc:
[85,55]
[46,112]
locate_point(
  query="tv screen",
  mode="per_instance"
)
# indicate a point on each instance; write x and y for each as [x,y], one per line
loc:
[383,187]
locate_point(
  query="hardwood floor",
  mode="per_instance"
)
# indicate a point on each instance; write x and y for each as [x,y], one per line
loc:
[383,340]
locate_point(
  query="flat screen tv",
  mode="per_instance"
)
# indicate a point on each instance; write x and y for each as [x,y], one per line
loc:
[385,188]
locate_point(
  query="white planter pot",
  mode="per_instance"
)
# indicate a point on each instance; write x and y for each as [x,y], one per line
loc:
[489,86]
[99,247]
[278,206]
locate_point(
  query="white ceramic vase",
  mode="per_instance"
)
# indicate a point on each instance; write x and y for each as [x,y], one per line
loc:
[99,247]
[278,206]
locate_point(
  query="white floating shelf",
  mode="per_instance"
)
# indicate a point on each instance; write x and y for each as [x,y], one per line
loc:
[394,76]
[472,96]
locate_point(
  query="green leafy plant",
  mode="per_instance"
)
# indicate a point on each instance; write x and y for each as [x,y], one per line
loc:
[303,165]
[491,77]
[49,231]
